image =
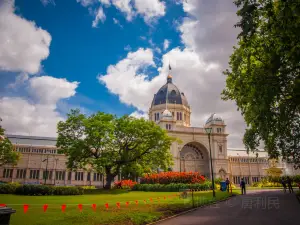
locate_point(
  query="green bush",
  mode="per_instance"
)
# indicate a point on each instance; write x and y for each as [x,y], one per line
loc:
[28,189]
[173,187]
[6,188]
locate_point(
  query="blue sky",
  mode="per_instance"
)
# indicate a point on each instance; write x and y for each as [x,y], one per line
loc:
[112,56]
[79,52]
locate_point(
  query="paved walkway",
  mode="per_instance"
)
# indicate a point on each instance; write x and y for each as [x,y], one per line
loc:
[261,207]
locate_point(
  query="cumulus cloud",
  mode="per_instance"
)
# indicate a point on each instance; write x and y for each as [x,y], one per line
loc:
[48,90]
[100,16]
[208,35]
[127,79]
[23,45]
[150,9]
[36,115]
[166,44]
[139,114]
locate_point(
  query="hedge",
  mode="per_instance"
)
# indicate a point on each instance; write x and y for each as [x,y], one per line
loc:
[6,188]
[28,189]
[171,187]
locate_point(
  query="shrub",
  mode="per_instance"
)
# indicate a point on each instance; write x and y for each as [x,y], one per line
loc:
[6,188]
[127,184]
[28,189]
[173,187]
[172,177]
[88,187]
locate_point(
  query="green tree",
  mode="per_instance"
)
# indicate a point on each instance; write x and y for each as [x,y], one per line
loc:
[108,143]
[7,153]
[264,75]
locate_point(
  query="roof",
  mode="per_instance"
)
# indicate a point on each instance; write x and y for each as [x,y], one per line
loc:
[239,152]
[32,140]
[169,93]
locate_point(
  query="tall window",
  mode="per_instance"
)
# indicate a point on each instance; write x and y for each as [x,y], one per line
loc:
[88,176]
[97,177]
[7,173]
[178,117]
[47,175]
[219,130]
[34,174]
[78,175]
[70,175]
[21,173]
[60,175]
[220,149]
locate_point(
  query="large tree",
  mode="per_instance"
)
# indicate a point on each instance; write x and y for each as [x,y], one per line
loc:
[108,143]
[7,153]
[264,75]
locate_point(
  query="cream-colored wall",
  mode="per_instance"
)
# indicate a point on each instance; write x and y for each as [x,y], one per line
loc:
[33,161]
[173,108]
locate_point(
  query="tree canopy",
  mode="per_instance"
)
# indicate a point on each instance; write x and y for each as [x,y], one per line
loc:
[107,143]
[264,75]
[7,153]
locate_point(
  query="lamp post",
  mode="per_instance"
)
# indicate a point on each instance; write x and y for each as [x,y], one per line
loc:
[208,130]
[46,175]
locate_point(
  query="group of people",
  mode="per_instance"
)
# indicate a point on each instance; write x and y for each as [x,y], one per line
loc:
[287,183]
[242,185]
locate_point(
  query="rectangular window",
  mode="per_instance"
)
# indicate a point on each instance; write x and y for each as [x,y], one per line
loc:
[157,116]
[47,175]
[21,173]
[167,126]
[60,175]
[78,175]
[7,173]
[70,175]
[88,177]
[34,174]
[177,115]
[97,177]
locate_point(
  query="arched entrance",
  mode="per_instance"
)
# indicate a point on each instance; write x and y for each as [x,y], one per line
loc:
[194,158]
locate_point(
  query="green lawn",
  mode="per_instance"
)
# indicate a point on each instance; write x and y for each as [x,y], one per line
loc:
[131,214]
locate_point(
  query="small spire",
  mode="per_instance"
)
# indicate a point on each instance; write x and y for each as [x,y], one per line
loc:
[169,78]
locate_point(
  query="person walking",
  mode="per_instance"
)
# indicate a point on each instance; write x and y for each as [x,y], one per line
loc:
[243,186]
[283,182]
[289,183]
[227,184]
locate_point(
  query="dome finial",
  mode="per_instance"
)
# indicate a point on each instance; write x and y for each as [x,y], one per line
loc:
[169,78]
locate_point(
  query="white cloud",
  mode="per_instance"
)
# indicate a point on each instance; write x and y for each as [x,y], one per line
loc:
[99,16]
[48,90]
[166,44]
[125,7]
[150,9]
[138,115]
[86,3]
[23,45]
[127,79]
[105,2]
[37,115]
[127,48]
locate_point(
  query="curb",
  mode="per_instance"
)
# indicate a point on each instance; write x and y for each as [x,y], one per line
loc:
[191,210]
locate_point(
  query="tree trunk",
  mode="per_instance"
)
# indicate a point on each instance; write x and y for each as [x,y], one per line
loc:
[109,179]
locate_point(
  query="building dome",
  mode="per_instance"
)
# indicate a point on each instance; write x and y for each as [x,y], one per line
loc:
[214,118]
[169,93]
[167,114]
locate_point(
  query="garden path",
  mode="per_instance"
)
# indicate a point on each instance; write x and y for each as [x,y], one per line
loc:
[257,207]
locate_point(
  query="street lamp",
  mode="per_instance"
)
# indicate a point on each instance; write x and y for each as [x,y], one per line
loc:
[46,175]
[208,130]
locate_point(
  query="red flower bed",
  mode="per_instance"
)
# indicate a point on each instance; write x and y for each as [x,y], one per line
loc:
[125,184]
[172,177]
